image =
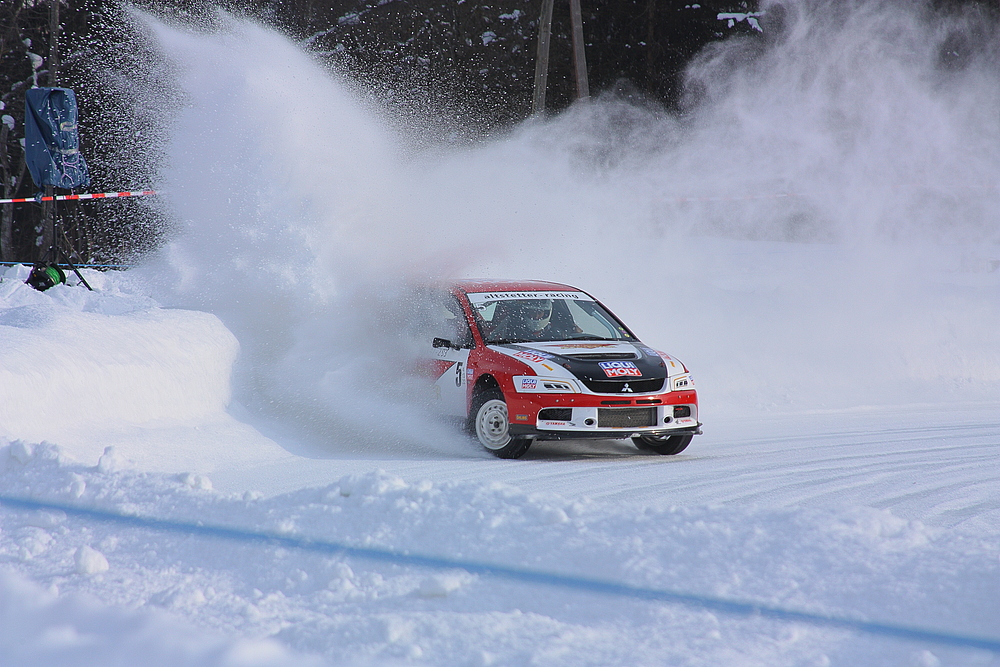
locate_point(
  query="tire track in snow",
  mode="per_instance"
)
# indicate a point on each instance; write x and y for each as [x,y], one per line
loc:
[940,475]
[912,462]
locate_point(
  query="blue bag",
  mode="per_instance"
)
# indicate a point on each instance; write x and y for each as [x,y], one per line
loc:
[51,142]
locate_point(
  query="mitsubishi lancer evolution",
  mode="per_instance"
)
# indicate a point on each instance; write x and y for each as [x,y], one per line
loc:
[522,361]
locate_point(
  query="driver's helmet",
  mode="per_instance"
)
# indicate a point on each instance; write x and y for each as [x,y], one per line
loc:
[537,313]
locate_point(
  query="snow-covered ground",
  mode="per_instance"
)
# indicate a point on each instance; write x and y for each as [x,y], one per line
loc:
[845,340]
[884,514]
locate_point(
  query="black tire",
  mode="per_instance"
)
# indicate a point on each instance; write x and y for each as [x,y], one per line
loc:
[662,444]
[489,423]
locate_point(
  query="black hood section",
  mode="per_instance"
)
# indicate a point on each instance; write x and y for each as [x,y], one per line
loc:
[610,373]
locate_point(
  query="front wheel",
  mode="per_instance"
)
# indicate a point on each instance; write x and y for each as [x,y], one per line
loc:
[662,444]
[491,425]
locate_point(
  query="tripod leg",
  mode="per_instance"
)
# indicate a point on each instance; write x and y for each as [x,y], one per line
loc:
[57,249]
[75,270]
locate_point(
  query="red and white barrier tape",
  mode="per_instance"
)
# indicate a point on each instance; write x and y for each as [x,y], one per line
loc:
[93,195]
[143,193]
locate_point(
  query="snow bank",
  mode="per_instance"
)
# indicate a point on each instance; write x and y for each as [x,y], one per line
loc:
[72,358]
[110,367]
[857,562]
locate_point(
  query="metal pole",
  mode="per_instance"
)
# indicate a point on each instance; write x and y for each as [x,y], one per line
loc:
[579,54]
[49,233]
[542,59]
[48,230]
[6,212]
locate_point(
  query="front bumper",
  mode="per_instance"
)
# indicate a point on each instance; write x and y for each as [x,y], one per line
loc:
[574,416]
[607,434]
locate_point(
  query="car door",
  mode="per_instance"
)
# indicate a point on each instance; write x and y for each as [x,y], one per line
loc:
[450,342]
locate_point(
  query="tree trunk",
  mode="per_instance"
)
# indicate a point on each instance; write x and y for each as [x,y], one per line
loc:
[542,60]
[54,43]
[651,45]
[579,51]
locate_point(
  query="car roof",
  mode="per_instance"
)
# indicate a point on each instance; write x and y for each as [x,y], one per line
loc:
[481,285]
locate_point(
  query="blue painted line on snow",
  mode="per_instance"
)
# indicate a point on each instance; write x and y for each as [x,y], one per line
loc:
[722,605]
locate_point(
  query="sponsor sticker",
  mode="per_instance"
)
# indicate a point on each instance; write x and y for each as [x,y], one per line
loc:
[482,297]
[528,355]
[469,373]
[534,384]
[557,386]
[521,418]
[584,346]
[617,369]
[656,353]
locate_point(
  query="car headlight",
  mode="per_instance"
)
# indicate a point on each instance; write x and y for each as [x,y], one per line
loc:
[681,382]
[535,384]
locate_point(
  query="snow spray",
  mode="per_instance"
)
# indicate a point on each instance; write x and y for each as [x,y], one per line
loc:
[817,229]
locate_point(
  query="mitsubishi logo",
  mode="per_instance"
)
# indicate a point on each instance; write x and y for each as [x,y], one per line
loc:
[626,388]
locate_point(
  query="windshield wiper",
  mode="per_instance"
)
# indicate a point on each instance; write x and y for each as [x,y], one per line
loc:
[590,337]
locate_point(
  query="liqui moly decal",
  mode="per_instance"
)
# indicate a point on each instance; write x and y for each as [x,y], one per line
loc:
[617,369]
[529,384]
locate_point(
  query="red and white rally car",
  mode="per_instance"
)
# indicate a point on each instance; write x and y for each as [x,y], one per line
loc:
[530,360]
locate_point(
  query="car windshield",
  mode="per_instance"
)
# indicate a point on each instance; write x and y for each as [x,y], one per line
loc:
[522,317]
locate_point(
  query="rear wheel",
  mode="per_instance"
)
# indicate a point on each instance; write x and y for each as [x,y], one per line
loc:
[491,425]
[662,444]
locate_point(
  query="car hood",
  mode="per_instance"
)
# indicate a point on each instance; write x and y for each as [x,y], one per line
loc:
[595,360]
[574,348]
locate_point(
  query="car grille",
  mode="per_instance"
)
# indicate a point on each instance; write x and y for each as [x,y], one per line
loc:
[602,356]
[556,414]
[618,386]
[625,417]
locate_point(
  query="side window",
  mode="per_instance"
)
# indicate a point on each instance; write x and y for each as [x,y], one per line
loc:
[450,322]
[486,311]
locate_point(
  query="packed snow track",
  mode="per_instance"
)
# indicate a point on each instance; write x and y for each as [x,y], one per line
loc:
[883,514]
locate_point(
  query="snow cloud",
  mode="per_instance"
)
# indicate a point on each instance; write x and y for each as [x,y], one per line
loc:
[815,231]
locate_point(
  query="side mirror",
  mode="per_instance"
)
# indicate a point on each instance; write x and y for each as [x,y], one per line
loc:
[443,342]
